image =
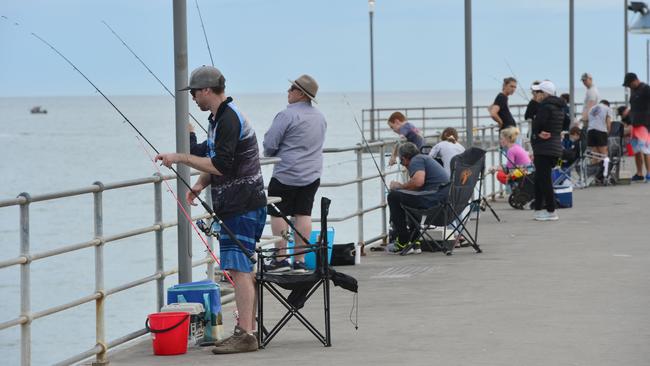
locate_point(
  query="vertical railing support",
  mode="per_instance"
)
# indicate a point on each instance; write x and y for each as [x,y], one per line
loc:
[382,188]
[98,228]
[25,284]
[360,243]
[157,204]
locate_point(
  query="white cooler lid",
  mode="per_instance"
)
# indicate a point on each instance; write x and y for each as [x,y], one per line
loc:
[193,308]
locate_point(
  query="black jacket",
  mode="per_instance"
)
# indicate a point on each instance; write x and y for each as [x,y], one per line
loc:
[549,118]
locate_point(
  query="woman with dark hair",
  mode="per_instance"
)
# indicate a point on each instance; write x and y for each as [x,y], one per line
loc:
[547,148]
[447,148]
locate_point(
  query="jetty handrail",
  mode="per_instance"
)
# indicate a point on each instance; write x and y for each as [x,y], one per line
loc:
[486,138]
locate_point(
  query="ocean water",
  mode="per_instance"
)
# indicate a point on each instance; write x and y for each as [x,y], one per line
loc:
[82,140]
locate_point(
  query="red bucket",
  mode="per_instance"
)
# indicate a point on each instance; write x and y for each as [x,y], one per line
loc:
[169,332]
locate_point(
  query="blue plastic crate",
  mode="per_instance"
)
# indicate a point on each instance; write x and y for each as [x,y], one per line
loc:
[310,258]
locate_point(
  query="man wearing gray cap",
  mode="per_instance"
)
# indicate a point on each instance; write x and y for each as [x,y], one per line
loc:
[296,136]
[232,170]
[591,96]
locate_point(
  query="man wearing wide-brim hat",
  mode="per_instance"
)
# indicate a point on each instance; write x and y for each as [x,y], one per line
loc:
[296,136]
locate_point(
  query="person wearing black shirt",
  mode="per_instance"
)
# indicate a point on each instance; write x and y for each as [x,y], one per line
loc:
[499,110]
[639,113]
[533,105]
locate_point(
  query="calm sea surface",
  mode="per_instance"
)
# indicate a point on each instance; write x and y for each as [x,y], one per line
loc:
[82,140]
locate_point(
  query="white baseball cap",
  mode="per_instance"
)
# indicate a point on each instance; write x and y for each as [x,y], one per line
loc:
[546,86]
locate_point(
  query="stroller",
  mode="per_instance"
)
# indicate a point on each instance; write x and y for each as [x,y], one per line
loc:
[521,181]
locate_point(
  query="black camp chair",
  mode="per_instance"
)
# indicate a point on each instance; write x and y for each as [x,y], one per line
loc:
[466,171]
[302,286]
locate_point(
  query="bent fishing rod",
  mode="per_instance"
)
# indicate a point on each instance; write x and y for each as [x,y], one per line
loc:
[151,72]
[203,203]
[363,137]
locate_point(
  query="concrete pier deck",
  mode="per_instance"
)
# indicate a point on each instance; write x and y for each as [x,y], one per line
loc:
[571,292]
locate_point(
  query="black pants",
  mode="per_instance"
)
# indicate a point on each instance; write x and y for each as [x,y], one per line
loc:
[544,195]
[397,216]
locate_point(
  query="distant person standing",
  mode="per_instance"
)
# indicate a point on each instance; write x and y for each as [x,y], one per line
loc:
[398,123]
[547,148]
[600,122]
[533,104]
[639,113]
[591,97]
[566,125]
[296,136]
[499,110]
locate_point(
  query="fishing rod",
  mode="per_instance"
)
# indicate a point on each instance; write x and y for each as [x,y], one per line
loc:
[150,71]
[204,34]
[522,92]
[363,137]
[203,203]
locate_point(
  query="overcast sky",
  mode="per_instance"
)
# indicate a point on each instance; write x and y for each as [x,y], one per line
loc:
[258,44]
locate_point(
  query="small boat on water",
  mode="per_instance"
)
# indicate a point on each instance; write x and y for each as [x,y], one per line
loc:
[38,110]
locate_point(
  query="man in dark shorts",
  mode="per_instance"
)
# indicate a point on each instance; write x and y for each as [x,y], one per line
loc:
[499,110]
[600,121]
[232,171]
[296,136]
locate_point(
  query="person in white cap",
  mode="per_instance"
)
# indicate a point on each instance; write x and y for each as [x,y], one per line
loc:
[296,136]
[591,97]
[547,148]
[232,170]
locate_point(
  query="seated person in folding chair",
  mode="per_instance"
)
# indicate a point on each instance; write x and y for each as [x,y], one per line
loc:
[427,186]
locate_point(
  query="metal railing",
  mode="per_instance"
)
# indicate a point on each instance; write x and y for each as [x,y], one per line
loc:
[431,120]
[488,141]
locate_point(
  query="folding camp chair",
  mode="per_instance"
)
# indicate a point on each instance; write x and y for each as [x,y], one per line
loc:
[467,170]
[302,286]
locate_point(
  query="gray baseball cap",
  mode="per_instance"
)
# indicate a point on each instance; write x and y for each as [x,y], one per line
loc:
[205,77]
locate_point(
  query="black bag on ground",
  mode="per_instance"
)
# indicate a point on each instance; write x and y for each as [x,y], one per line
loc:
[342,254]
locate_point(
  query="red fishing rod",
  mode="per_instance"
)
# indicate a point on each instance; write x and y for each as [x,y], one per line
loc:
[214,216]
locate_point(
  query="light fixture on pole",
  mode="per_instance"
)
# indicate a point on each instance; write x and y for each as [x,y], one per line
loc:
[371,12]
[642,23]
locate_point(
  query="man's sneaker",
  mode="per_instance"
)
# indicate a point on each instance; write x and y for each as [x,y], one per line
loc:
[637,178]
[278,266]
[397,247]
[239,342]
[546,216]
[647,177]
[300,267]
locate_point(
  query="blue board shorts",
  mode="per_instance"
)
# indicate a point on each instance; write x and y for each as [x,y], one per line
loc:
[248,229]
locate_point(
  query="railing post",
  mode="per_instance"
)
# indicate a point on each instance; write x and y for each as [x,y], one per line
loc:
[382,189]
[360,244]
[157,204]
[25,285]
[424,123]
[493,146]
[98,224]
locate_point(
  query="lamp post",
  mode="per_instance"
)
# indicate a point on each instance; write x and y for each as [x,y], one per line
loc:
[371,12]
[572,103]
[469,127]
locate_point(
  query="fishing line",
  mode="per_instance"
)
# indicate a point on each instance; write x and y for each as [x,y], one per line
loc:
[522,91]
[204,34]
[203,203]
[381,175]
[148,69]
[187,215]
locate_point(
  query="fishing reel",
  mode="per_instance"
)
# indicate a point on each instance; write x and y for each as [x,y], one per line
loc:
[207,228]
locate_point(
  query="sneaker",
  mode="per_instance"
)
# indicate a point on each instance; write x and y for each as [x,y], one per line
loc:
[637,178]
[647,177]
[544,215]
[397,247]
[300,267]
[239,342]
[278,266]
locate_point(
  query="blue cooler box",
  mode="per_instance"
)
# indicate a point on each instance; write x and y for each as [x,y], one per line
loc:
[564,195]
[205,292]
[310,258]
